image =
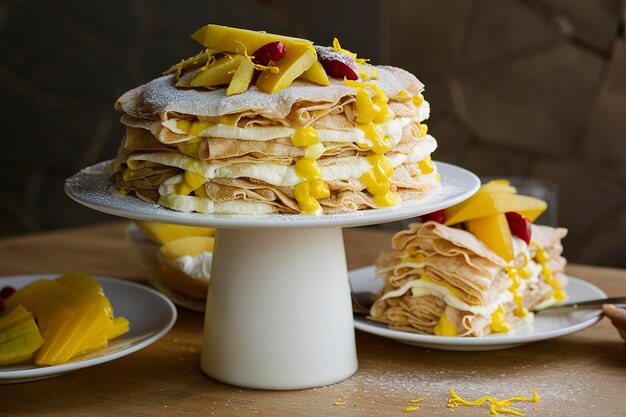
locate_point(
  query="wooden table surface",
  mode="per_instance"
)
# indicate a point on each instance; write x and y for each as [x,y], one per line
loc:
[583,374]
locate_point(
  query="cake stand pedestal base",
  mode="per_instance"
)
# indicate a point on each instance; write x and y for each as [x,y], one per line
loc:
[278,312]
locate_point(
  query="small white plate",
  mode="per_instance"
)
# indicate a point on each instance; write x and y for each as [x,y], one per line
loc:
[90,187]
[150,314]
[545,326]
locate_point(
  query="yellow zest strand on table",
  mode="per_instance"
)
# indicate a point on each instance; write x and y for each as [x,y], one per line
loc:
[497,406]
[416,400]
[312,188]
[376,180]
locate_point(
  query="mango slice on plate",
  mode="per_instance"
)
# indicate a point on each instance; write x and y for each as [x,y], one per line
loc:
[234,40]
[316,73]
[165,232]
[19,336]
[494,232]
[119,326]
[487,204]
[299,58]
[73,314]
[217,73]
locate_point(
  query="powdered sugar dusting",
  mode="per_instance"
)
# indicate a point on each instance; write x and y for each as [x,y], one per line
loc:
[160,95]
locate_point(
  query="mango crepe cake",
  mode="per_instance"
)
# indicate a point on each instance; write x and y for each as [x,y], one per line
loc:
[477,268]
[260,123]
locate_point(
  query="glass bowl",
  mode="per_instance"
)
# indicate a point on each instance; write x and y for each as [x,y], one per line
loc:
[166,275]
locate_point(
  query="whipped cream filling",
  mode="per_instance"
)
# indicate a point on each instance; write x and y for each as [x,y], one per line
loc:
[352,167]
[196,266]
[420,288]
[392,128]
[188,204]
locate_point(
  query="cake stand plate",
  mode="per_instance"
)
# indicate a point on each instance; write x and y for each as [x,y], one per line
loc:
[278,312]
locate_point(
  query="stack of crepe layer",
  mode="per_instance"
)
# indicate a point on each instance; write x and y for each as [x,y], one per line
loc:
[242,144]
[436,269]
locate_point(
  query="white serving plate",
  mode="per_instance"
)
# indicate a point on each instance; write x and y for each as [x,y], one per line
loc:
[545,326]
[150,314]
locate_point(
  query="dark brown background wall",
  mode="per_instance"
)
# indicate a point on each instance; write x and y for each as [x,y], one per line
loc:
[517,88]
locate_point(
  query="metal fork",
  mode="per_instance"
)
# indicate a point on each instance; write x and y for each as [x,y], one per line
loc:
[362,302]
[584,305]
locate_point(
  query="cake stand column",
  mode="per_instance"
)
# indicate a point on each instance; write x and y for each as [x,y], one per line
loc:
[278,312]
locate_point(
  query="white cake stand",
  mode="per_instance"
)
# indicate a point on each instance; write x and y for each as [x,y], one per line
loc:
[278,312]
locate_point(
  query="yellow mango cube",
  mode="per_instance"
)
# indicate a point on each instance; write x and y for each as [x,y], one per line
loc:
[299,58]
[316,74]
[241,78]
[235,40]
[493,203]
[493,231]
[218,73]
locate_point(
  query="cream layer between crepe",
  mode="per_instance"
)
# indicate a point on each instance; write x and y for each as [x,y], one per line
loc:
[437,270]
[247,156]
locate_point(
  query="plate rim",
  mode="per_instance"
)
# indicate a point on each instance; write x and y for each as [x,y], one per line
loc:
[99,198]
[366,325]
[25,375]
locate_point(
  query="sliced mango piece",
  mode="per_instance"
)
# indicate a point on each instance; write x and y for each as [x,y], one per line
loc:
[119,326]
[71,311]
[20,348]
[219,72]
[234,40]
[316,74]
[15,317]
[192,246]
[19,336]
[165,232]
[493,203]
[89,287]
[23,296]
[99,318]
[59,343]
[241,78]
[299,58]
[496,186]
[494,232]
